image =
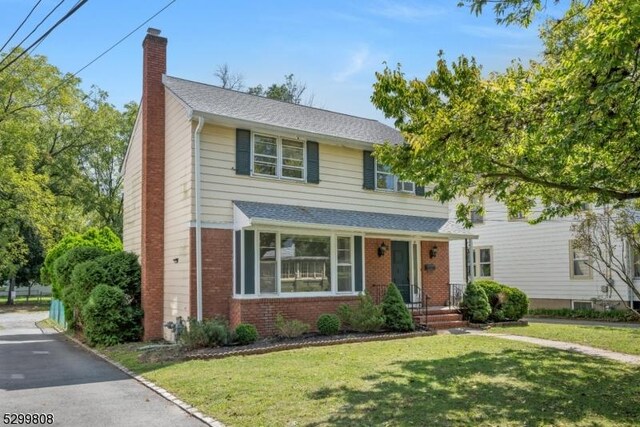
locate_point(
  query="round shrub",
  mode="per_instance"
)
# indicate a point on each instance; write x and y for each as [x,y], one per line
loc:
[475,303]
[517,304]
[85,276]
[108,320]
[396,314]
[246,333]
[328,324]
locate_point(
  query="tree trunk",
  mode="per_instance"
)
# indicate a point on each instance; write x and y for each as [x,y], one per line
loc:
[12,286]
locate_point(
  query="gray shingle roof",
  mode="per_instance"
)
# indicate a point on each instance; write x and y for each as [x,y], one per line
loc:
[215,100]
[339,217]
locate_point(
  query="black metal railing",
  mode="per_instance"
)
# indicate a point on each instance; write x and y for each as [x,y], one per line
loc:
[414,297]
[456,292]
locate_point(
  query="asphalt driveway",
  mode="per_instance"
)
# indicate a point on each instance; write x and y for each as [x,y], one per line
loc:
[43,372]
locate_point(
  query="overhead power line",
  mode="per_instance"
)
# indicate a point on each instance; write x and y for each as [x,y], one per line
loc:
[16,47]
[71,11]
[20,26]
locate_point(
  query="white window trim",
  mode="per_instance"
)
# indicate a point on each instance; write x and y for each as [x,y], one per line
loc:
[352,264]
[572,274]
[278,174]
[475,265]
[334,265]
[395,182]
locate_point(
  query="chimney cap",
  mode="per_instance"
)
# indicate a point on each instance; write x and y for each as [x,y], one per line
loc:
[153,31]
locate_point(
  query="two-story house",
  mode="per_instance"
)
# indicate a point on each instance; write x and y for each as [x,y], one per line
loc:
[245,207]
[539,259]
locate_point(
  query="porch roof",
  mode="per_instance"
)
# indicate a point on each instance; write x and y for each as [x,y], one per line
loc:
[257,213]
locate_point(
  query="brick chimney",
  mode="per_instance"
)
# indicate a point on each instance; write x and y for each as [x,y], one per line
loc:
[153,152]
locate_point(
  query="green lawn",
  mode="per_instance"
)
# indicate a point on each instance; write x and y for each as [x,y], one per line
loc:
[21,304]
[623,340]
[439,380]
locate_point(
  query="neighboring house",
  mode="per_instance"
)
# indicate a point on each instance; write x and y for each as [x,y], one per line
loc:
[538,259]
[245,207]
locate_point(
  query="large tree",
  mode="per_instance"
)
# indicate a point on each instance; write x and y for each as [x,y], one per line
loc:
[556,132]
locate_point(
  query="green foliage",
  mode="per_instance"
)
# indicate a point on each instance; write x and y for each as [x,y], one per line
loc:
[290,328]
[475,303]
[108,319]
[396,314]
[328,324]
[506,303]
[364,317]
[246,333]
[207,333]
[567,313]
[123,271]
[289,91]
[102,238]
[64,265]
[554,133]
[84,278]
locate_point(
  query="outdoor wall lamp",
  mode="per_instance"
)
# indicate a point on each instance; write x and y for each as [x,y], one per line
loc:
[175,260]
[433,252]
[382,249]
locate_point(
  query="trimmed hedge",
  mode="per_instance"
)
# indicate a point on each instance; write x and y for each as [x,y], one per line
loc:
[328,324]
[64,265]
[507,303]
[122,270]
[108,320]
[567,313]
[396,314]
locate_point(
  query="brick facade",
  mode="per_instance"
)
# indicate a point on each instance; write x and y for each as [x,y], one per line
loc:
[435,283]
[377,269]
[152,203]
[217,272]
[262,312]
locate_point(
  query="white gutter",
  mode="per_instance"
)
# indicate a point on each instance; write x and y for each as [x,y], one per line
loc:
[196,137]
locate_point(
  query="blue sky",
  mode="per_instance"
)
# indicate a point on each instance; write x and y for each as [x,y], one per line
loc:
[333,46]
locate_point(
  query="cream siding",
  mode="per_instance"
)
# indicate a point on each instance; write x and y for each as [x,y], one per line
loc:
[340,184]
[178,179]
[534,258]
[132,189]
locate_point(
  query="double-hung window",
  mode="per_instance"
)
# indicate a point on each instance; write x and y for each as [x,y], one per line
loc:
[636,264]
[482,262]
[386,180]
[278,157]
[345,264]
[578,263]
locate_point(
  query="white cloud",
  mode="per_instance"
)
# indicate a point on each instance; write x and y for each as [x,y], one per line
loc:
[402,11]
[356,63]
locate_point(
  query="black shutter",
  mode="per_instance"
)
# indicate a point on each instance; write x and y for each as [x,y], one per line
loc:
[238,256]
[369,172]
[313,162]
[243,152]
[420,190]
[249,263]
[357,270]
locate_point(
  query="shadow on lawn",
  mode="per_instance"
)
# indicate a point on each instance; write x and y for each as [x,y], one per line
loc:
[536,386]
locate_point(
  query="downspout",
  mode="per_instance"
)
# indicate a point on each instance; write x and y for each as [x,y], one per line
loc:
[198,185]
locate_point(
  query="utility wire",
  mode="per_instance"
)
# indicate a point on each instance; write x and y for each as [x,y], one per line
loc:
[71,11]
[20,26]
[32,31]
[69,77]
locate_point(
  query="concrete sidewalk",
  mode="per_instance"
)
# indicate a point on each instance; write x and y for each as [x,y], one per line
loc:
[583,322]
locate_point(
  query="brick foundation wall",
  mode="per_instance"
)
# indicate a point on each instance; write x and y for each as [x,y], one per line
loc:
[262,312]
[217,272]
[152,203]
[435,283]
